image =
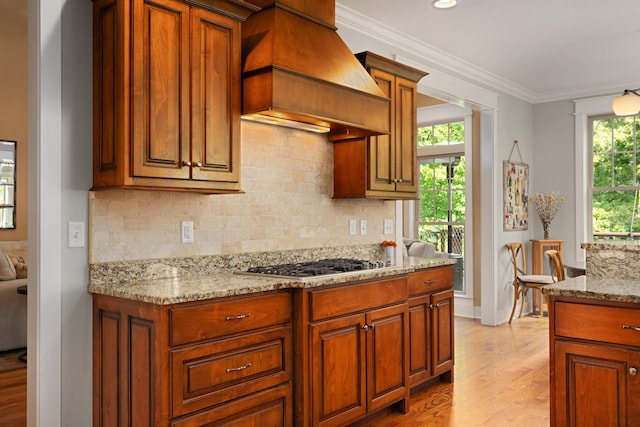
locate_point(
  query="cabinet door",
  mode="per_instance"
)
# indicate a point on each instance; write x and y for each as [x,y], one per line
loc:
[443,339]
[387,356]
[338,371]
[596,385]
[382,150]
[420,351]
[405,136]
[160,89]
[215,114]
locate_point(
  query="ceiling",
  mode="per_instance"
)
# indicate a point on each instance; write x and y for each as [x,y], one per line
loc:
[541,50]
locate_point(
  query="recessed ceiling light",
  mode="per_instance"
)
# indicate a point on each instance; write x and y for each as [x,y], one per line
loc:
[444,4]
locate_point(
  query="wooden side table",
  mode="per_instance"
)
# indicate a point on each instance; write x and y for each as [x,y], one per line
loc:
[538,248]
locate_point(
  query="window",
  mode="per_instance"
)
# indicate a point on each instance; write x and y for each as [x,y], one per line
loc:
[441,134]
[440,212]
[614,179]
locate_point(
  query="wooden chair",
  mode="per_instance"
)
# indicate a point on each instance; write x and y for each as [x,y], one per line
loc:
[521,281]
[558,264]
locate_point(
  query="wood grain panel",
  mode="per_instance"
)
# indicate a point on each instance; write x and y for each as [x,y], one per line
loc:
[211,374]
[430,280]
[598,323]
[193,323]
[353,298]
[108,370]
[161,101]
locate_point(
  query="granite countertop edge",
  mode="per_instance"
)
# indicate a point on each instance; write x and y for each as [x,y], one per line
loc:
[597,288]
[173,290]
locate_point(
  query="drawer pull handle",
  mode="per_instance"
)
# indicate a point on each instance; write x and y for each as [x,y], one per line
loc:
[633,371]
[238,317]
[239,368]
[635,328]
[429,282]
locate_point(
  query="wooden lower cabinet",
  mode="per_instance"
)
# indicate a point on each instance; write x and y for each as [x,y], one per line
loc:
[223,362]
[323,356]
[358,364]
[595,363]
[431,339]
[357,360]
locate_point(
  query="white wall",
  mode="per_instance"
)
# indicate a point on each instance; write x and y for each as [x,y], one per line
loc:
[515,122]
[76,362]
[60,129]
[554,156]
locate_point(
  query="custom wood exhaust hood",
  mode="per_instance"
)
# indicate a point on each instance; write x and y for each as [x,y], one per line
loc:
[296,68]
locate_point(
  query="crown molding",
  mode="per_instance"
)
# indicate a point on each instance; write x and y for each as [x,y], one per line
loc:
[432,58]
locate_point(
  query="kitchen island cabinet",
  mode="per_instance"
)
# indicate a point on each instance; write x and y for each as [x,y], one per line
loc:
[383,166]
[167,94]
[594,346]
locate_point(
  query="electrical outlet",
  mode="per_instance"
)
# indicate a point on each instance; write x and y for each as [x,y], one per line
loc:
[187,232]
[352,227]
[388,226]
[76,235]
[363,227]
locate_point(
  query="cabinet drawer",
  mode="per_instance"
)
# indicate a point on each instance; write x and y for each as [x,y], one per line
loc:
[206,321]
[346,299]
[427,281]
[268,408]
[210,374]
[597,323]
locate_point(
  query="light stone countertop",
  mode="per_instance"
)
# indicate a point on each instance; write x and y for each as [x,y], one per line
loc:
[597,288]
[174,290]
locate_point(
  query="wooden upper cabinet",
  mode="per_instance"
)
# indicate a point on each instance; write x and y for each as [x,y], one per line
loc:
[167,94]
[383,166]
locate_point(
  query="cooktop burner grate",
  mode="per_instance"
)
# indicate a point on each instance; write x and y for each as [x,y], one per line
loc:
[317,268]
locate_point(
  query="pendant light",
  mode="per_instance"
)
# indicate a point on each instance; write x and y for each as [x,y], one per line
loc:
[628,103]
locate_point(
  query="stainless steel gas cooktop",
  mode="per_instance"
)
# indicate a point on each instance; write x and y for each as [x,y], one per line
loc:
[316,268]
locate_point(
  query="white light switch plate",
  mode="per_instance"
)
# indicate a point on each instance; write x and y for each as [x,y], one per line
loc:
[388,226]
[76,234]
[352,227]
[363,227]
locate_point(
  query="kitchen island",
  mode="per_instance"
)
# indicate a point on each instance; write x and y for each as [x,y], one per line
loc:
[594,330]
[224,348]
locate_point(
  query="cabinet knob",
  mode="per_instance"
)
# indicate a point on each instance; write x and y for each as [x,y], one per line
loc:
[633,371]
[367,327]
[185,163]
[197,165]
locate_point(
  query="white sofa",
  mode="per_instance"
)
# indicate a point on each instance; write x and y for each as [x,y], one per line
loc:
[13,306]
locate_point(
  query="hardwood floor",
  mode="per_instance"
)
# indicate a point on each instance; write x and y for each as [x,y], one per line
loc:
[13,398]
[501,379]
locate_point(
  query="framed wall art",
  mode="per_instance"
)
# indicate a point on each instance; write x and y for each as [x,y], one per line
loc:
[516,196]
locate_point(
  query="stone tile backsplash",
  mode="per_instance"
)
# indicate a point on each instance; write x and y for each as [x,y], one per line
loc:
[287,177]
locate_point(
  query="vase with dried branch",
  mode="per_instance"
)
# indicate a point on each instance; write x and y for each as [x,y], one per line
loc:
[547,205]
